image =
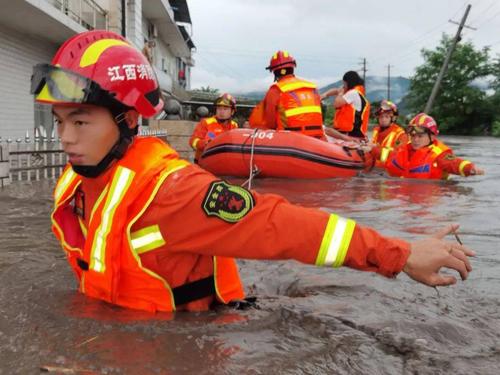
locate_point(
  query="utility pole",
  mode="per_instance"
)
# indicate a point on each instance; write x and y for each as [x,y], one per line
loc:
[388,81]
[442,72]
[364,69]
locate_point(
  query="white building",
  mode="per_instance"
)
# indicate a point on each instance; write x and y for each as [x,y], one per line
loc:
[31,31]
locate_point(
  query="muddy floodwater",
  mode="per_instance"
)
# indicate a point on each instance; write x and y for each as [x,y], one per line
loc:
[311,320]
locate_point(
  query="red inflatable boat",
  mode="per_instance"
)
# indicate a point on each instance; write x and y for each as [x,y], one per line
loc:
[273,153]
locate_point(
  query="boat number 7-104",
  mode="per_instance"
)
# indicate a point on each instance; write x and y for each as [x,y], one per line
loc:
[262,135]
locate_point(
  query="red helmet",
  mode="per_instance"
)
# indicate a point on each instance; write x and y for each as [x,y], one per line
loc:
[102,68]
[423,120]
[225,100]
[387,106]
[281,59]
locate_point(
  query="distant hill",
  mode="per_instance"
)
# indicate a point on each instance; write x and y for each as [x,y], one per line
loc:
[376,88]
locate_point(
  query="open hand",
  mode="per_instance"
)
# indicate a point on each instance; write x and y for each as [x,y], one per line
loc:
[429,255]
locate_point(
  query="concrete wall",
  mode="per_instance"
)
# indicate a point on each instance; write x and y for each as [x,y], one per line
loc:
[178,134]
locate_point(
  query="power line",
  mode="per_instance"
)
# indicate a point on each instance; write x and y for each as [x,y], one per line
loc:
[478,16]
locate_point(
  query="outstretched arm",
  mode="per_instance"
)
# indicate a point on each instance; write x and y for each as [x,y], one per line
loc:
[248,225]
[429,255]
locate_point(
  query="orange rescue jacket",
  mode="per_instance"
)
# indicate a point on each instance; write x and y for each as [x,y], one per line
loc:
[299,107]
[350,121]
[106,256]
[421,163]
[391,137]
[206,130]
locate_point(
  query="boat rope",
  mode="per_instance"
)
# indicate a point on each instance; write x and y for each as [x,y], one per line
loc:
[254,171]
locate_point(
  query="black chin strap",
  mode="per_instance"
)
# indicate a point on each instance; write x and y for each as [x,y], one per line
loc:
[116,152]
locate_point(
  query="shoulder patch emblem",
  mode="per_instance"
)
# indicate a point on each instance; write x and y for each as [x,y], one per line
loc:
[228,202]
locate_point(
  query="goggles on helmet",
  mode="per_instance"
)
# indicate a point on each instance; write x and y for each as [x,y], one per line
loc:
[51,84]
[417,130]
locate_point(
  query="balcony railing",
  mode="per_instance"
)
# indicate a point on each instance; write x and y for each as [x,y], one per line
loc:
[86,12]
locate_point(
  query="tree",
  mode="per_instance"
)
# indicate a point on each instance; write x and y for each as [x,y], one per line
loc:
[209,90]
[494,100]
[460,107]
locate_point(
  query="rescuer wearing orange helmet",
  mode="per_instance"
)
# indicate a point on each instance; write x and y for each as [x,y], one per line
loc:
[387,134]
[208,128]
[425,157]
[291,103]
[146,230]
[352,109]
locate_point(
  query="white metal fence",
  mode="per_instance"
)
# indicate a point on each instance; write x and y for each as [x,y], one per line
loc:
[33,159]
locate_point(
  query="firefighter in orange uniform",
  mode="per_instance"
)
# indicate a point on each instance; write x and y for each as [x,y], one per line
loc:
[145,230]
[387,134]
[291,103]
[208,128]
[425,157]
[352,109]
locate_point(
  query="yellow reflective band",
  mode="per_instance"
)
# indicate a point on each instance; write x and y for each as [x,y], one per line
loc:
[384,153]
[211,120]
[195,142]
[98,202]
[63,183]
[375,136]
[436,149]
[285,54]
[296,85]
[336,241]
[275,56]
[302,110]
[119,186]
[462,165]
[95,50]
[82,226]
[421,120]
[147,239]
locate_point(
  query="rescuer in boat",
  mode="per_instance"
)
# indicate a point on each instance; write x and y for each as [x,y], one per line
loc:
[146,230]
[352,109]
[208,128]
[291,103]
[387,134]
[425,157]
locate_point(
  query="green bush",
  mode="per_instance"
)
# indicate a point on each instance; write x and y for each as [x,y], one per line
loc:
[495,128]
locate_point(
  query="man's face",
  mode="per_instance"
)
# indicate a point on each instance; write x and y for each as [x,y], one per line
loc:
[87,132]
[223,112]
[384,119]
[420,138]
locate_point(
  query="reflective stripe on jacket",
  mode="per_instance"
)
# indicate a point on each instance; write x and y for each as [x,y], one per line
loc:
[421,163]
[350,121]
[299,107]
[107,259]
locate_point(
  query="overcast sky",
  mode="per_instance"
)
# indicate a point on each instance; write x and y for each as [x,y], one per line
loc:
[235,39]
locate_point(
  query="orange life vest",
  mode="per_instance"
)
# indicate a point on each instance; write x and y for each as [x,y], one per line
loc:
[256,119]
[105,259]
[299,107]
[350,121]
[387,144]
[214,128]
[421,164]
